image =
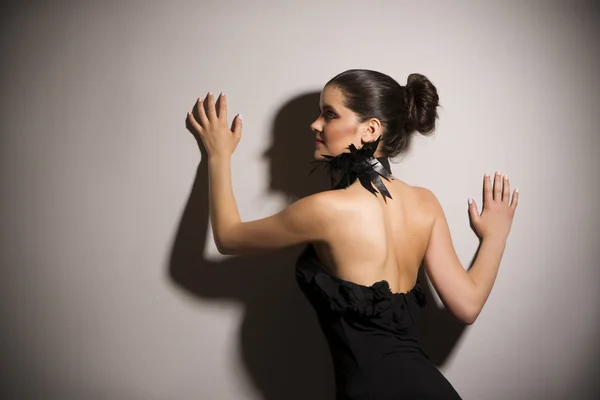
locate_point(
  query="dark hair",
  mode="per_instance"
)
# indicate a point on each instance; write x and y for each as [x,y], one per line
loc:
[401,110]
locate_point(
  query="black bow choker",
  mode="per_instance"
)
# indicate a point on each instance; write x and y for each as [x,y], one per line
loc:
[361,164]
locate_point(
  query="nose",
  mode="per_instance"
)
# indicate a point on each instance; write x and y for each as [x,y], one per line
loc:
[316,126]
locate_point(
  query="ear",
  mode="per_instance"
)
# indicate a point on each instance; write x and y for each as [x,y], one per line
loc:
[373,129]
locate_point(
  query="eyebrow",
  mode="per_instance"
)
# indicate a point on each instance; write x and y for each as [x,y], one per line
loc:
[328,106]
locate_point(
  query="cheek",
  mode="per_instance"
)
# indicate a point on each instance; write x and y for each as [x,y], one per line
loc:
[338,133]
[337,139]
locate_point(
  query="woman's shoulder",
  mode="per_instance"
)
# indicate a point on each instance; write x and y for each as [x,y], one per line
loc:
[424,194]
[428,199]
[354,198]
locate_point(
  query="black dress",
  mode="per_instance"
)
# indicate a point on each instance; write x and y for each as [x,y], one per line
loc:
[372,336]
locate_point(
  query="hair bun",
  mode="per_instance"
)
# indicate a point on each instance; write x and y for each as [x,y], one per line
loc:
[422,100]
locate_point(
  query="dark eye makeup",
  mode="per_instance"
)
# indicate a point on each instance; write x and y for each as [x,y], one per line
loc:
[328,114]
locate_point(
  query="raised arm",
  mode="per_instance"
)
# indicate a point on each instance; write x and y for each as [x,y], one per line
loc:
[304,221]
[465,293]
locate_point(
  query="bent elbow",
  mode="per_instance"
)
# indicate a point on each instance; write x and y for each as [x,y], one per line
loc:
[470,320]
[223,249]
[470,316]
[465,313]
[465,317]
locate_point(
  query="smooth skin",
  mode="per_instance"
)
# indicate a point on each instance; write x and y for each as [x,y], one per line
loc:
[359,237]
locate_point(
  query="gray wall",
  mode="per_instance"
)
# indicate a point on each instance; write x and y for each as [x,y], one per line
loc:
[108,289]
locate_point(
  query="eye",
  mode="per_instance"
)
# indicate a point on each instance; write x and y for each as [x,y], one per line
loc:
[329,115]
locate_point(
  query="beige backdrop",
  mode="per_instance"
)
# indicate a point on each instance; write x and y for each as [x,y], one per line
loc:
[111,287]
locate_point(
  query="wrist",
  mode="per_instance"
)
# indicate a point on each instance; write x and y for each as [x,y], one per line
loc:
[499,241]
[218,159]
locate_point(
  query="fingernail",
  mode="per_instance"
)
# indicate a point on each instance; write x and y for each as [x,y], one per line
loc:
[470,201]
[486,174]
[517,190]
[240,116]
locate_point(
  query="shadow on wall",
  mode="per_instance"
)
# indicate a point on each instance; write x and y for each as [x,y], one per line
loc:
[283,350]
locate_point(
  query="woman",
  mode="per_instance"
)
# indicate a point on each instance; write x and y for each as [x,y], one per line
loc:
[363,250]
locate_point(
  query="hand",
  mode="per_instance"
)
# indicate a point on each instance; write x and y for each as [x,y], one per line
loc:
[497,216]
[216,136]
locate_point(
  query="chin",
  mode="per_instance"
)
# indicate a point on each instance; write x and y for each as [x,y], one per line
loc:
[317,155]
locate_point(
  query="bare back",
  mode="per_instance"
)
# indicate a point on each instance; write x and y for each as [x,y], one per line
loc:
[374,240]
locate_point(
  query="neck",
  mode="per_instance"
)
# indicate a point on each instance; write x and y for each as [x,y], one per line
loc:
[385,162]
[365,164]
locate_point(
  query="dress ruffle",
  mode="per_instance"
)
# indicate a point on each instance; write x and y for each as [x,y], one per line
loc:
[366,302]
[373,335]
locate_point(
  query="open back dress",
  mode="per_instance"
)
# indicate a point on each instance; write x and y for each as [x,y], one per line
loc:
[372,332]
[372,335]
